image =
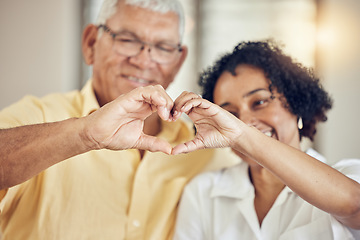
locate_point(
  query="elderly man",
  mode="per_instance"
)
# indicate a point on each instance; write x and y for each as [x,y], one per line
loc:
[95,163]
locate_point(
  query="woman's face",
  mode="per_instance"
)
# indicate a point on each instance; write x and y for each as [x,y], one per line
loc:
[247,96]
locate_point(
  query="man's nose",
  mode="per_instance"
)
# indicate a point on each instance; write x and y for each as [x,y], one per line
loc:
[143,59]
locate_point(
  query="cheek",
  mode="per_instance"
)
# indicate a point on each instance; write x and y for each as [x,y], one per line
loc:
[108,68]
[100,64]
[104,57]
[168,74]
[286,127]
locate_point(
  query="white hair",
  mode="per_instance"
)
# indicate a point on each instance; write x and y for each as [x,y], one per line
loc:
[109,8]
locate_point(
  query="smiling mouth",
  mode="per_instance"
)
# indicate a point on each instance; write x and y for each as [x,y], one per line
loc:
[140,81]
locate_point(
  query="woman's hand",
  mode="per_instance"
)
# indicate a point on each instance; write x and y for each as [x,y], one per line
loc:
[215,127]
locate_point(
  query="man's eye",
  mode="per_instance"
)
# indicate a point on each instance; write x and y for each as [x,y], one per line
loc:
[165,48]
[126,40]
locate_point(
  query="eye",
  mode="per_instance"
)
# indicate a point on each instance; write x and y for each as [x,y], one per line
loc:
[124,39]
[258,104]
[261,102]
[164,47]
[235,114]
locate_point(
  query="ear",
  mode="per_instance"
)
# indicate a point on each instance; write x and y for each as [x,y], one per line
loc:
[88,40]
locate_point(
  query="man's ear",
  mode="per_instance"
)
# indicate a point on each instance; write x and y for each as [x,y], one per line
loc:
[88,40]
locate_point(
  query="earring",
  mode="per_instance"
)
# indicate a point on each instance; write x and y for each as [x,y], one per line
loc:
[300,123]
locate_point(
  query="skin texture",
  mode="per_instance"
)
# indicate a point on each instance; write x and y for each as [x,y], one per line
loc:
[274,161]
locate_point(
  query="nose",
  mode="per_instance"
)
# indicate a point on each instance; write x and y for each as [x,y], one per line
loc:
[248,118]
[143,58]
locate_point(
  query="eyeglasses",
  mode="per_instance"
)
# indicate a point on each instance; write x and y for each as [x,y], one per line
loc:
[125,43]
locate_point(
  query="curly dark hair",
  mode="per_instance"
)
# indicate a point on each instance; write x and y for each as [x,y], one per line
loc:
[302,90]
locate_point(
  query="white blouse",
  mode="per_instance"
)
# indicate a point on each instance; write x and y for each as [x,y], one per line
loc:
[219,206]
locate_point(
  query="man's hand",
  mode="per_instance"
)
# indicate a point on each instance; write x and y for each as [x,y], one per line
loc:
[119,124]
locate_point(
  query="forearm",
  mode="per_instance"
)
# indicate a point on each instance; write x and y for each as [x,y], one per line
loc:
[314,181]
[26,151]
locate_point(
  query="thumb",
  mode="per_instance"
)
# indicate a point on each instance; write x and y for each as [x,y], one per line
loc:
[189,146]
[153,144]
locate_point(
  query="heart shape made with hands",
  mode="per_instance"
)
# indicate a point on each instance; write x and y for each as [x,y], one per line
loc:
[125,121]
[208,119]
[186,106]
[187,103]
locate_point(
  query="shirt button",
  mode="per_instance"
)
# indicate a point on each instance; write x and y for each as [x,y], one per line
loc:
[136,223]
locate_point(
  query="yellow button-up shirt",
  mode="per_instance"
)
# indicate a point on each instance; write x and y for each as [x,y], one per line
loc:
[100,194]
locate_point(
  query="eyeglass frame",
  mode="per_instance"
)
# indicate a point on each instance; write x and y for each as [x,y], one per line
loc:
[113,34]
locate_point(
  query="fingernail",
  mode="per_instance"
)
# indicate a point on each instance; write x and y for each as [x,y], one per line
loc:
[176,114]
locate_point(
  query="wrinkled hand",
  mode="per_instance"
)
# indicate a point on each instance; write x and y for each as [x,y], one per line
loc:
[119,124]
[216,127]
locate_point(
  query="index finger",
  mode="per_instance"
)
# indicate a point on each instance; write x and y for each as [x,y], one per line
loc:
[181,101]
[158,99]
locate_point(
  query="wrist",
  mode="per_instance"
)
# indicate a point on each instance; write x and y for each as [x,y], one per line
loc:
[87,140]
[243,141]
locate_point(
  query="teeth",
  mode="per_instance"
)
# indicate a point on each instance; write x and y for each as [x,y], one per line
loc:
[268,134]
[139,80]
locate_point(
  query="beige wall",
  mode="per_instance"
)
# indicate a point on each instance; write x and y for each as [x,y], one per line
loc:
[39,47]
[339,61]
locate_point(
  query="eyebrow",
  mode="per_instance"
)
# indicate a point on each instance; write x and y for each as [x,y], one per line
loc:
[246,95]
[134,35]
[254,91]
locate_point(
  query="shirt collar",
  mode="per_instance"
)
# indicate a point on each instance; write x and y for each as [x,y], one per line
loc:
[233,182]
[90,103]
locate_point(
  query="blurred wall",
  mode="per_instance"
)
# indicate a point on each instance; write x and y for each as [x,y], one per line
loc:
[40,50]
[338,64]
